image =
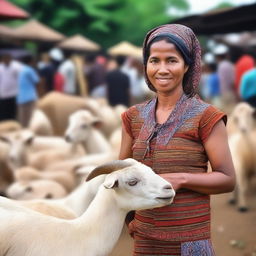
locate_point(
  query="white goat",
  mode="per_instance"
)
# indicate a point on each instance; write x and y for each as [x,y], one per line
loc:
[132,186]
[241,119]
[110,116]
[82,129]
[6,174]
[242,143]
[26,190]
[40,124]
[28,149]
[115,139]
[9,126]
[88,160]
[66,178]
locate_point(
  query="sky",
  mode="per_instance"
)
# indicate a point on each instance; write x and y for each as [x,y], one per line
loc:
[199,6]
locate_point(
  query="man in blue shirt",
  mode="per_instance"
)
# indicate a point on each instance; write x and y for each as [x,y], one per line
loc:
[27,91]
[248,86]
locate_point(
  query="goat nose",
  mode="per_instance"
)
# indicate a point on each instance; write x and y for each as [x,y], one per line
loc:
[243,130]
[12,158]
[167,187]
[67,138]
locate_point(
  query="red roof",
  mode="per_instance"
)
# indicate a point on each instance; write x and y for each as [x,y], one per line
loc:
[10,11]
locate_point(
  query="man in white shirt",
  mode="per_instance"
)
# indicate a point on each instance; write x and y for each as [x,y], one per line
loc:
[226,74]
[9,71]
[68,70]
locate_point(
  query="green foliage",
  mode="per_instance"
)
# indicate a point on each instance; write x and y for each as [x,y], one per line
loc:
[104,21]
[223,5]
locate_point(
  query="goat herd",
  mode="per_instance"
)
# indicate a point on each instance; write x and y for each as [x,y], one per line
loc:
[51,210]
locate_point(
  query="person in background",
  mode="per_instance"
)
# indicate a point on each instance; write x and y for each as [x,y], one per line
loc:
[176,134]
[205,72]
[95,72]
[133,68]
[27,90]
[248,86]
[118,84]
[211,84]
[226,74]
[68,70]
[56,57]
[46,72]
[242,65]
[9,73]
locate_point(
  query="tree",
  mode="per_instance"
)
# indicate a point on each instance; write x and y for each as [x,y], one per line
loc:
[104,21]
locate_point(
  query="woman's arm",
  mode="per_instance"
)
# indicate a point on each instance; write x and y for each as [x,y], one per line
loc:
[126,145]
[222,177]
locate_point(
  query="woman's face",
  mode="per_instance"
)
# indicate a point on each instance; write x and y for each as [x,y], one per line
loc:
[165,67]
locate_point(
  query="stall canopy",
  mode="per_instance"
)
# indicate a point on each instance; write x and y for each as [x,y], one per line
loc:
[235,19]
[79,43]
[9,11]
[36,31]
[126,49]
[6,31]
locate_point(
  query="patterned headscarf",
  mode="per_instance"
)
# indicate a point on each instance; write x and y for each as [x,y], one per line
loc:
[186,35]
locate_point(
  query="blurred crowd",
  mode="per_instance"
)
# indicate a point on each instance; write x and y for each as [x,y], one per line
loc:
[228,77]
[23,80]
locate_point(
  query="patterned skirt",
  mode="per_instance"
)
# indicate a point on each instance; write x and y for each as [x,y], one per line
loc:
[144,247]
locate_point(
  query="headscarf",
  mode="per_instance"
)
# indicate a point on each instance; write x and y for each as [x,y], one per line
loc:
[187,36]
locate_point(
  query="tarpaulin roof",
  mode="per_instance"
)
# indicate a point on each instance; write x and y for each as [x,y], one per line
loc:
[126,49]
[9,11]
[235,19]
[6,31]
[79,42]
[34,30]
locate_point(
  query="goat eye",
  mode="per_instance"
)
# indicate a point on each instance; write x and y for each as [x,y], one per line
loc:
[132,182]
[28,189]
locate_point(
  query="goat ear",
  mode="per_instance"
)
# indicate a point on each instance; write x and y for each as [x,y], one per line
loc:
[29,140]
[97,124]
[111,181]
[5,139]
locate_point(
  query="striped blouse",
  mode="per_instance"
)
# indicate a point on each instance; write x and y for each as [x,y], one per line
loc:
[175,146]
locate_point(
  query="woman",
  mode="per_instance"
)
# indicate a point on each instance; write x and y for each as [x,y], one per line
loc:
[176,134]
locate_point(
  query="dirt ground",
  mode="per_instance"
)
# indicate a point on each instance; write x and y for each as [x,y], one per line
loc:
[233,233]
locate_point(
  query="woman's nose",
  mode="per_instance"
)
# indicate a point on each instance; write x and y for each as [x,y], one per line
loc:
[163,68]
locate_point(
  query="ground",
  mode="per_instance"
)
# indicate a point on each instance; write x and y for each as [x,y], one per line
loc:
[233,232]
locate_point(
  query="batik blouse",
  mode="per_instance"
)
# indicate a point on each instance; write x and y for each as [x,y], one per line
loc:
[172,147]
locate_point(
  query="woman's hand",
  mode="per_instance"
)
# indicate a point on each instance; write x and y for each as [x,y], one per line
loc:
[176,179]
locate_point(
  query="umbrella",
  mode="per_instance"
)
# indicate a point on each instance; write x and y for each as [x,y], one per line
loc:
[9,11]
[79,42]
[126,49]
[34,30]
[6,31]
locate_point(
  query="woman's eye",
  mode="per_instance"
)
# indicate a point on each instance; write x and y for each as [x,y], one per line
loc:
[172,61]
[132,182]
[153,61]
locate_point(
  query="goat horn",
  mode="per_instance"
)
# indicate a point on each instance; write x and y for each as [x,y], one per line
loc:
[108,168]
